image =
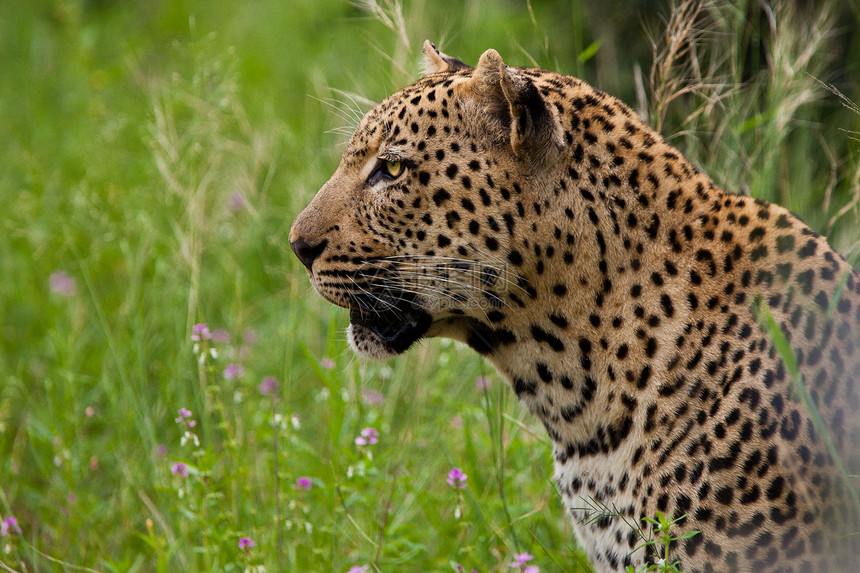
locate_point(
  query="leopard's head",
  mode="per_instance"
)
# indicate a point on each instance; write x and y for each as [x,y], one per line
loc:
[415,231]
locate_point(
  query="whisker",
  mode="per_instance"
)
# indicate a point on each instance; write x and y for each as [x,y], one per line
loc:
[457,299]
[464,287]
[455,303]
[374,298]
[424,272]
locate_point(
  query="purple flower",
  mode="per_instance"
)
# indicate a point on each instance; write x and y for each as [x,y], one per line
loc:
[523,558]
[236,202]
[368,437]
[200,332]
[482,383]
[359,569]
[221,336]
[327,363]
[269,385]
[183,413]
[233,371]
[62,284]
[520,560]
[456,478]
[372,397]
[161,450]
[303,483]
[12,524]
[7,525]
[246,543]
[179,469]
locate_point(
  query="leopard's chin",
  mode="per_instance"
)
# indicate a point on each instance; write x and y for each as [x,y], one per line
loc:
[386,334]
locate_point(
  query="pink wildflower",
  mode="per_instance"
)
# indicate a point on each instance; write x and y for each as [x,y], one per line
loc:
[179,469]
[482,383]
[233,371]
[521,560]
[359,569]
[184,416]
[327,363]
[9,524]
[372,397]
[200,332]
[246,543]
[456,478]
[303,483]
[63,284]
[368,437]
[236,202]
[221,336]
[161,450]
[269,385]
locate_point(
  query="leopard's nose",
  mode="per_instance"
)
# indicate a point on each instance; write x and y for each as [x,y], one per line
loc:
[307,252]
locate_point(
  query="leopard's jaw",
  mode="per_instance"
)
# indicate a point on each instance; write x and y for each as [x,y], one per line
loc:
[386,334]
[544,224]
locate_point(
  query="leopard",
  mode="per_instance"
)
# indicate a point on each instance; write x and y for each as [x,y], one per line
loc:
[689,351]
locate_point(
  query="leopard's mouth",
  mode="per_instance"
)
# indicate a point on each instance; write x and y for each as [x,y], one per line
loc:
[388,332]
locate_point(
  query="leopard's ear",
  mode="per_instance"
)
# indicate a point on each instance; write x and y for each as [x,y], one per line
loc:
[436,62]
[531,123]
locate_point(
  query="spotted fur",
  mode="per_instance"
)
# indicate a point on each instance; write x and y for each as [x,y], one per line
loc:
[543,223]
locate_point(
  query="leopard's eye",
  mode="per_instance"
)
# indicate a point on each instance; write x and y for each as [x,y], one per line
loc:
[386,170]
[393,169]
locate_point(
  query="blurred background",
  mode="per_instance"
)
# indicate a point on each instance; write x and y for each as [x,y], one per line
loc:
[154,155]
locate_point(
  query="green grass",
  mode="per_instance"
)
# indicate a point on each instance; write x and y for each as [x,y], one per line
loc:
[131,128]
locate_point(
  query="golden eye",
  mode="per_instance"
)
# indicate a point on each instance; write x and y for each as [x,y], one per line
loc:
[393,168]
[386,170]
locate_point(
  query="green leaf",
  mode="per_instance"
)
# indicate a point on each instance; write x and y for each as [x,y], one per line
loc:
[777,336]
[837,294]
[589,51]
